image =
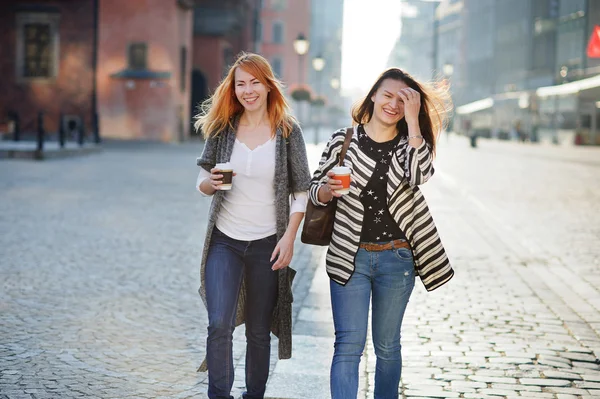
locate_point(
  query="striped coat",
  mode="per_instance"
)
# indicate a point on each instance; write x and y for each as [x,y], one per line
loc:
[409,168]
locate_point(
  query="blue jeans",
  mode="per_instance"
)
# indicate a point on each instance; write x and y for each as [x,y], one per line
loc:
[228,260]
[390,277]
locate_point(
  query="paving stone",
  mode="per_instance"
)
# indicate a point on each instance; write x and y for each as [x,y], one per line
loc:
[561,375]
[491,379]
[543,382]
[117,306]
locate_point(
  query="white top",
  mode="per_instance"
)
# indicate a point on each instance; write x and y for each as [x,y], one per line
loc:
[248,210]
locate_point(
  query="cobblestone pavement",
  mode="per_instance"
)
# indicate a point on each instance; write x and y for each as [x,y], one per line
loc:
[521,318]
[99,276]
[99,272]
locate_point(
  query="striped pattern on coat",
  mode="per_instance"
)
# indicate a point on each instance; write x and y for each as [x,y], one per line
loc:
[410,167]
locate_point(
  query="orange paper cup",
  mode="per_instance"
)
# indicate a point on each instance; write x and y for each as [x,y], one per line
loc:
[342,173]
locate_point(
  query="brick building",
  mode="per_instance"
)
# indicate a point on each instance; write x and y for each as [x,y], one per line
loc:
[281,22]
[143,68]
[222,29]
[127,61]
[47,61]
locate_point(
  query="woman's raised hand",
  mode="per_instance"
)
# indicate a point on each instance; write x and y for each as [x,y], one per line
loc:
[412,104]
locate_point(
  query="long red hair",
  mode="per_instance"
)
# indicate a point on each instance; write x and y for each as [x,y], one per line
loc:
[217,113]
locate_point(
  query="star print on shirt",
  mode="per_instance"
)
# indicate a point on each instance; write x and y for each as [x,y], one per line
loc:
[378,223]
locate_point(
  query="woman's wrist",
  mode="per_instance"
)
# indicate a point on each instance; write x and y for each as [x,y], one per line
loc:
[324,194]
[206,187]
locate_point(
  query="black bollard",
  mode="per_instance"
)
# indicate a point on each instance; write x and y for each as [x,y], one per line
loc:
[81,132]
[16,126]
[17,133]
[61,130]
[95,130]
[40,133]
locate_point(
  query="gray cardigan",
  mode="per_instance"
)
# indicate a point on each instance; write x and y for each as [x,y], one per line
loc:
[218,149]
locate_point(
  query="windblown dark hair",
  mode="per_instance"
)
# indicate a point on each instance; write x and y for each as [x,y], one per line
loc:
[436,106]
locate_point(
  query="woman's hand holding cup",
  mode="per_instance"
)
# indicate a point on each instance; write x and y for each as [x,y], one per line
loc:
[337,184]
[221,176]
[333,184]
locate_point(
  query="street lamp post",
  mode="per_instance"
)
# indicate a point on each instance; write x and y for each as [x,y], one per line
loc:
[318,64]
[301,45]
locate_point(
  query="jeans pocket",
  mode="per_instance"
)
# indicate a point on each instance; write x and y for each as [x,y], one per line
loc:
[404,254]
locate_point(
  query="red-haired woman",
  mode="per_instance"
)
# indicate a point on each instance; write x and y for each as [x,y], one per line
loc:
[251,228]
[383,232]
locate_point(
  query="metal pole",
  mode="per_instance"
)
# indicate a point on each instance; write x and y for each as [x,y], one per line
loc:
[319,113]
[555,117]
[300,82]
[61,131]
[94,113]
[95,127]
[40,133]
[16,126]
[81,132]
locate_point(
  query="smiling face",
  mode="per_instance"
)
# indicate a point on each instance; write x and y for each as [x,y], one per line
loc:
[388,107]
[250,92]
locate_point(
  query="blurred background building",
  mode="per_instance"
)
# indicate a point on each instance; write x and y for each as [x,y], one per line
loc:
[139,69]
[222,28]
[47,63]
[417,34]
[327,23]
[123,66]
[518,69]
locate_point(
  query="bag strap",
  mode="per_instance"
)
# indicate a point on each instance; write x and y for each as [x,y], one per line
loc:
[349,133]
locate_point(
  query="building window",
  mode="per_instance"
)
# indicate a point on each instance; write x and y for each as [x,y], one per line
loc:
[37,45]
[38,61]
[138,56]
[278,32]
[183,67]
[276,64]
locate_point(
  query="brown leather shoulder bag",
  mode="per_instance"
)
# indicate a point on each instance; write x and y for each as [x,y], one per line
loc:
[318,220]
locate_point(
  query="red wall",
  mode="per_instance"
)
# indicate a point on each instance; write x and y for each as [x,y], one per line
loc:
[143,108]
[71,91]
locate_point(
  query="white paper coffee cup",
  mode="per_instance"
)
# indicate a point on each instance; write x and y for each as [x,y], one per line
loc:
[227,172]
